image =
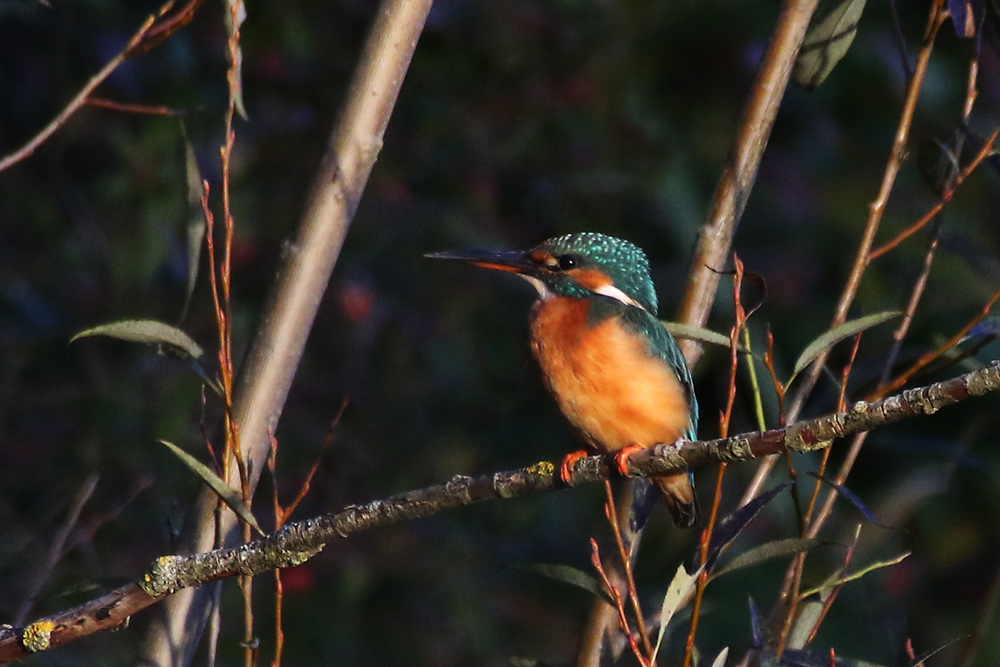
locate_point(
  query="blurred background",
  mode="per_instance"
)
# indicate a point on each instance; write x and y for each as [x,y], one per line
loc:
[517,121]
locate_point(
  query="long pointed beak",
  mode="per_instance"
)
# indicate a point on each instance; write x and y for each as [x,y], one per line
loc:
[499,260]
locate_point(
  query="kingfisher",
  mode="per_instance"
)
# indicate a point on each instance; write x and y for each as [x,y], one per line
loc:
[616,373]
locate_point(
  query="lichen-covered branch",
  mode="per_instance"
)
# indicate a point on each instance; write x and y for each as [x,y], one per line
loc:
[299,541]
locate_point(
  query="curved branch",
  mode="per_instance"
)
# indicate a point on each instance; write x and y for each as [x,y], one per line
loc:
[297,542]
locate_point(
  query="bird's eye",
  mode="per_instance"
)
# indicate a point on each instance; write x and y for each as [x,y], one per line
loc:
[567,262]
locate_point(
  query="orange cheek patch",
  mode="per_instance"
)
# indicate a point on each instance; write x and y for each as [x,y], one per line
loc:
[591,279]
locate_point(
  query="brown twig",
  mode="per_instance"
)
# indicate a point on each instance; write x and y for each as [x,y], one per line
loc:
[841,404]
[279,522]
[125,107]
[739,325]
[619,605]
[602,617]
[625,560]
[792,582]
[304,488]
[281,515]
[931,214]
[828,602]
[224,314]
[931,356]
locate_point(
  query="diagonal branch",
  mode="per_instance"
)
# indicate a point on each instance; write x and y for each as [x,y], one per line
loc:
[299,541]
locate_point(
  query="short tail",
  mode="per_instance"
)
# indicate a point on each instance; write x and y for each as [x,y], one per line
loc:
[677,491]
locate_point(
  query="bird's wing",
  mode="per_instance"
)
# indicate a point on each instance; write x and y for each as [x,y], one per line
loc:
[663,346]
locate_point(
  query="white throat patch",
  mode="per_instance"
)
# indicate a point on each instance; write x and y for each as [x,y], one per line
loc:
[543,291]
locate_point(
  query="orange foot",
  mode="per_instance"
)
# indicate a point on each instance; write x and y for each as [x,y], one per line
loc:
[623,455]
[565,472]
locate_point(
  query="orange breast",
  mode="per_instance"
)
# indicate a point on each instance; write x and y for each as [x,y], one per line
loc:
[603,379]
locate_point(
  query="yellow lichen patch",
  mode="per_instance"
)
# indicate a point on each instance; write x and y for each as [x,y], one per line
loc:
[542,468]
[36,636]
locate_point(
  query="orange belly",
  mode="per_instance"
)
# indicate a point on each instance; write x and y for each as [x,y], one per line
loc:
[604,380]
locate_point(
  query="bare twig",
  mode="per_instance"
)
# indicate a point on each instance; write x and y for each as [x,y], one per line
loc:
[739,327]
[931,356]
[832,595]
[126,107]
[619,606]
[926,218]
[56,549]
[625,559]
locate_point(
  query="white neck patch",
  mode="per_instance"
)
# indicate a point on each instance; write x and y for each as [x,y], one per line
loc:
[618,295]
[608,290]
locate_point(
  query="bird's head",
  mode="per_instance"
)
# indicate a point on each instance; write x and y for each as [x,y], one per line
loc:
[581,265]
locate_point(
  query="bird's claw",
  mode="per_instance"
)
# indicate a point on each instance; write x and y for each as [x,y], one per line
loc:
[566,465]
[623,455]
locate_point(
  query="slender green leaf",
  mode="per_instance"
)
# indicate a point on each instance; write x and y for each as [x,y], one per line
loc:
[226,493]
[808,614]
[195,222]
[827,340]
[838,579]
[149,332]
[830,35]
[570,575]
[700,334]
[768,551]
[678,591]
[167,337]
